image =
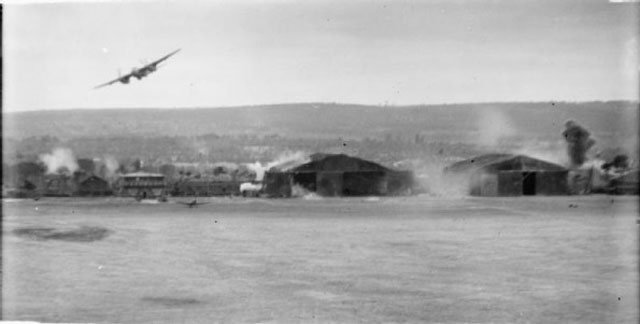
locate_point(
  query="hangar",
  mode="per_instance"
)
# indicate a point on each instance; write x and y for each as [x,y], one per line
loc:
[339,175]
[510,175]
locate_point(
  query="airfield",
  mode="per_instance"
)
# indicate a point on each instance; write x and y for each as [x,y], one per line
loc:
[571,259]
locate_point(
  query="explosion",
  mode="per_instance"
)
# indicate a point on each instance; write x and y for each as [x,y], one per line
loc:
[579,141]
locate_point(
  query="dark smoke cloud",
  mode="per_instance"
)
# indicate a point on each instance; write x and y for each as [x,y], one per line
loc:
[579,141]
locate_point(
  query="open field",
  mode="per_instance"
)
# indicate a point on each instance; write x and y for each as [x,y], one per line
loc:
[367,260]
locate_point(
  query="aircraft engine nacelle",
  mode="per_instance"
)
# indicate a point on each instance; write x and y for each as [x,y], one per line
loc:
[124,80]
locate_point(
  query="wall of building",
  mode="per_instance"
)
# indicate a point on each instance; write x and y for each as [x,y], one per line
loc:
[329,184]
[93,187]
[205,188]
[277,184]
[367,183]
[400,182]
[509,183]
[307,180]
[627,184]
[518,183]
[336,183]
[59,186]
[552,183]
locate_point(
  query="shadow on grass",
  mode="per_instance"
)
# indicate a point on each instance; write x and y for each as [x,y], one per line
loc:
[82,234]
[171,301]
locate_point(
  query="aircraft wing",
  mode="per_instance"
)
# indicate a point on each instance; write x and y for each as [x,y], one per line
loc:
[114,81]
[154,63]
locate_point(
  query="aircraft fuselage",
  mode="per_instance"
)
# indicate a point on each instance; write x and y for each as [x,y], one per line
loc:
[141,73]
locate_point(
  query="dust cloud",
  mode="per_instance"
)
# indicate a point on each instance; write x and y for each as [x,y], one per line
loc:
[494,127]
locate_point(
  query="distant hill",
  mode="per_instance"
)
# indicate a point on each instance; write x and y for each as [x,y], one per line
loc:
[616,119]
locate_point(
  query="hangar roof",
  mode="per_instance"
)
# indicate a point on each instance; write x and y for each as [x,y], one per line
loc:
[338,163]
[91,177]
[503,162]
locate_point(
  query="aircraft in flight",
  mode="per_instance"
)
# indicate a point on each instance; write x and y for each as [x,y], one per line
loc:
[139,73]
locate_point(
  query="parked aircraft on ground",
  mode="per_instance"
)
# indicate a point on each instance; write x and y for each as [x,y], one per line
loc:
[193,203]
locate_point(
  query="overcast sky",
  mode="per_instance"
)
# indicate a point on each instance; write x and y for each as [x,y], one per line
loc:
[366,52]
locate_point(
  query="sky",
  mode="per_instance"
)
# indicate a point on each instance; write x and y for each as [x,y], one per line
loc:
[362,52]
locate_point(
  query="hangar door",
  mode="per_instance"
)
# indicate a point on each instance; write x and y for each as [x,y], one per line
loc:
[364,183]
[528,183]
[329,183]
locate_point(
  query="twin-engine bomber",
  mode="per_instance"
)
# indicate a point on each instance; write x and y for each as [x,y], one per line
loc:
[139,73]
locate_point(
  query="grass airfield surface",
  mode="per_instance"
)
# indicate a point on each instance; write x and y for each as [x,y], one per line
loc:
[356,260]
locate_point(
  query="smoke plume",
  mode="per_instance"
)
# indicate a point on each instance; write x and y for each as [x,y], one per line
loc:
[552,151]
[60,160]
[579,142]
[111,167]
[284,161]
[493,127]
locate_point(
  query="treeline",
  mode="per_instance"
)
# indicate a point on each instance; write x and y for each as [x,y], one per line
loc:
[243,148]
[542,120]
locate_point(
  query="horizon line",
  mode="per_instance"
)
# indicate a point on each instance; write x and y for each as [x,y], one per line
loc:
[552,102]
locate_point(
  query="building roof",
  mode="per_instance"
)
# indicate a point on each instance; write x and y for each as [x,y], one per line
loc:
[503,162]
[209,179]
[143,175]
[338,163]
[91,177]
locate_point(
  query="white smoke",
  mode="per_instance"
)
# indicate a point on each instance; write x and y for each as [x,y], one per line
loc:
[111,166]
[60,160]
[224,167]
[497,132]
[494,127]
[431,180]
[439,184]
[284,161]
[300,191]
[258,168]
[248,186]
[554,152]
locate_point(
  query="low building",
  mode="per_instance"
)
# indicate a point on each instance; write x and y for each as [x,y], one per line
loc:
[204,187]
[92,185]
[141,185]
[338,175]
[509,175]
[25,189]
[626,184]
[59,185]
